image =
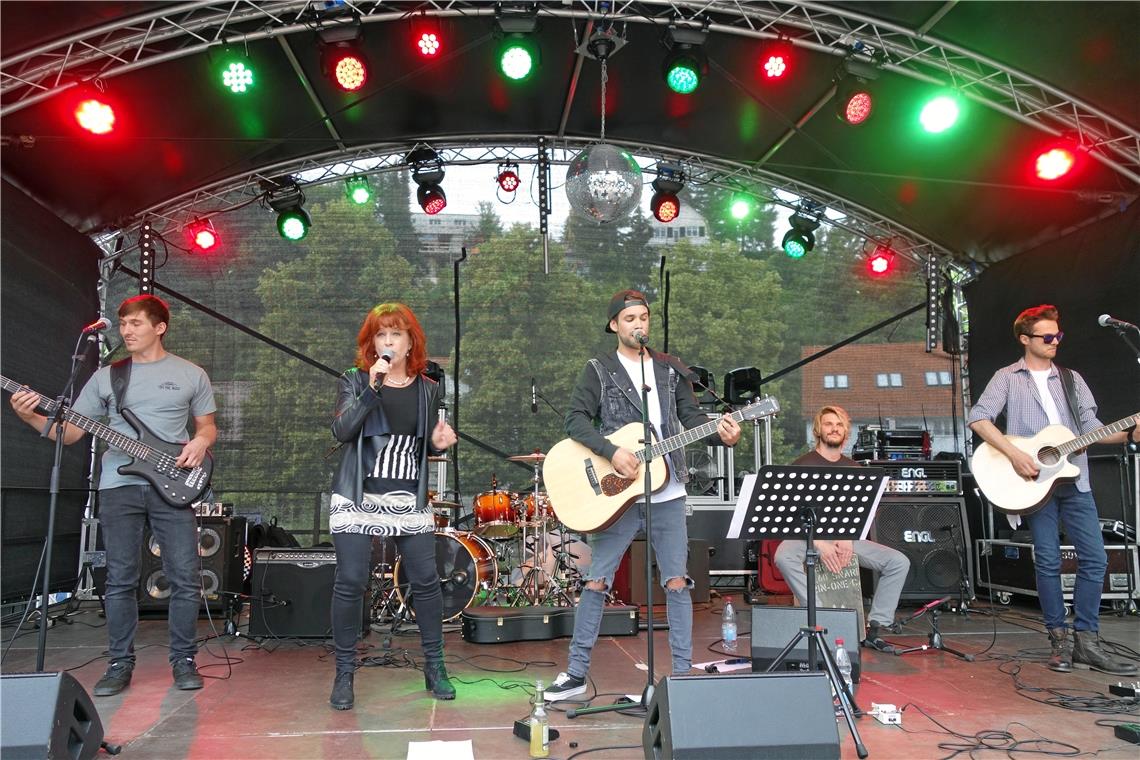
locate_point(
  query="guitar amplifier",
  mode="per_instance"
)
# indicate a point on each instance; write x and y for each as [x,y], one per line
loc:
[920,477]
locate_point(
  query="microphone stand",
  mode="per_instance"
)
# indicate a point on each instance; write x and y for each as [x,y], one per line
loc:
[647,458]
[1123,333]
[56,420]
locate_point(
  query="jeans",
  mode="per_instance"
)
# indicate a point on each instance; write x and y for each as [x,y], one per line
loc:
[353,565]
[670,537]
[1077,511]
[123,512]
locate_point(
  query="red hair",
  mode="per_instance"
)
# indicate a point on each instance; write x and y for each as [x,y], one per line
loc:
[400,317]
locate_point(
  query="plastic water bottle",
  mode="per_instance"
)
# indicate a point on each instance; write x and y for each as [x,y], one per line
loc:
[843,662]
[728,625]
[539,725]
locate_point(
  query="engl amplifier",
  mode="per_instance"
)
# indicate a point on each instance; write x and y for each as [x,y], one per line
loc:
[875,443]
[942,477]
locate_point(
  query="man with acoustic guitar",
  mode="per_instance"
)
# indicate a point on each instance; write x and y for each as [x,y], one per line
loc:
[1032,393]
[606,398]
[163,391]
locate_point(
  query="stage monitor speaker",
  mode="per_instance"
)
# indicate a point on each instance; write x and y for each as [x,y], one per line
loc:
[719,717]
[773,628]
[292,593]
[931,532]
[47,715]
[221,549]
[629,580]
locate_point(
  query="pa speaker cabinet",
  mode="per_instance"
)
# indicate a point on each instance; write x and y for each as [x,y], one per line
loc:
[629,580]
[47,715]
[292,593]
[933,533]
[221,550]
[722,717]
[773,628]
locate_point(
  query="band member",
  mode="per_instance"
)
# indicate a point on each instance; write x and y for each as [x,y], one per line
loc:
[1032,394]
[164,391]
[387,412]
[831,427]
[607,397]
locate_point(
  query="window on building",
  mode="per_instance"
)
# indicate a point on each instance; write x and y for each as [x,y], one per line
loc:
[896,380]
[932,378]
[882,380]
[841,381]
[835,381]
[702,230]
[829,381]
[944,378]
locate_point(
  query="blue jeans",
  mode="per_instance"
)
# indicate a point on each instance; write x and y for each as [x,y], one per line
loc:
[123,512]
[1077,511]
[670,537]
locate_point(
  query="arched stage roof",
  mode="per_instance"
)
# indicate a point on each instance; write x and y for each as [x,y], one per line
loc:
[1030,73]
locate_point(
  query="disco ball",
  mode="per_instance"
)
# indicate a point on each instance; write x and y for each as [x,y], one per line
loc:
[603,183]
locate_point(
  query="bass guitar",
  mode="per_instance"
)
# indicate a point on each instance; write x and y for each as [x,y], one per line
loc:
[1050,449]
[588,495]
[152,458]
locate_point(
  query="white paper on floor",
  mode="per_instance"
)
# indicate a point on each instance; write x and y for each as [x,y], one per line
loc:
[441,750]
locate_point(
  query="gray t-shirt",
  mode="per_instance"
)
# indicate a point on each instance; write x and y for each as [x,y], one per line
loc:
[164,394]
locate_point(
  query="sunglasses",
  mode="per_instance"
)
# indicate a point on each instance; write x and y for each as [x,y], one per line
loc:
[1047,337]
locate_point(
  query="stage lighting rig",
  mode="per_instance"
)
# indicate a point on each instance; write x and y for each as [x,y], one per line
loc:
[342,56]
[665,203]
[518,54]
[854,100]
[358,190]
[800,239]
[686,62]
[508,177]
[427,173]
[284,196]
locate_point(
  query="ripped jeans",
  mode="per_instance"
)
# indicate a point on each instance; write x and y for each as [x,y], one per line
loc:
[670,537]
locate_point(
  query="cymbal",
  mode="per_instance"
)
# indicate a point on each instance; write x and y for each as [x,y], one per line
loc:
[446,505]
[440,458]
[534,458]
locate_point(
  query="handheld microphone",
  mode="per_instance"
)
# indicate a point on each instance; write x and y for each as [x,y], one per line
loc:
[533,397]
[641,338]
[97,326]
[387,354]
[1105,320]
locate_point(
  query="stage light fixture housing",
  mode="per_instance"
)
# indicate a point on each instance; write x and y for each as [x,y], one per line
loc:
[665,203]
[358,190]
[427,173]
[881,262]
[686,63]
[940,113]
[429,44]
[742,385]
[202,235]
[740,208]
[236,72]
[800,239]
[517,53]
[284,196]
[95,114]
[1054,162]
[854,99]
[775,60]
[342,57]
[508,177]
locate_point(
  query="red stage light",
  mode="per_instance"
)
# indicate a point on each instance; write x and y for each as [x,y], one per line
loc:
[428,44]
[881,262]
[665,206]
[855,108]
[349,70]
[203,235]
[508,180]
[95,116]
[1054,163]
[431,199]
[775,65]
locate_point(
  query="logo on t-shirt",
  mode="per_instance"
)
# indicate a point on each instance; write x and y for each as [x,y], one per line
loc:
[169,385]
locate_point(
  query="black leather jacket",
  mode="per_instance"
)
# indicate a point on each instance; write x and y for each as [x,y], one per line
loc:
[360,424]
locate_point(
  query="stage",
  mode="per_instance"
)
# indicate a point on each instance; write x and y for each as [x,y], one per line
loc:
[269,699]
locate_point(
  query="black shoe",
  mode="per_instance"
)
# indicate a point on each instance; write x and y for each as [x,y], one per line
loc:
[1060,650]
[117,678]
[875,641]
[565,686]
[1087,651]
[342,697]
[435,679]
[186,674]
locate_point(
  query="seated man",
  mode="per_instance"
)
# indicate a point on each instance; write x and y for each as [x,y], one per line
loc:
[831,428]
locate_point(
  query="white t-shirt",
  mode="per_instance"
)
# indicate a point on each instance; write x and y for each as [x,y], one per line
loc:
[674,489]
[1041,380]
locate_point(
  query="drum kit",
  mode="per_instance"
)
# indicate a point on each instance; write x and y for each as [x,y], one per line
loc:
[516,554]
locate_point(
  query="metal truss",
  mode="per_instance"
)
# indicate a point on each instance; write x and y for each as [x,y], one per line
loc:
[194,27]
[227,195]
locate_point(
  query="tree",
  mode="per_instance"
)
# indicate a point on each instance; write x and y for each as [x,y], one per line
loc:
[751,236]
[615,255]
[393,204]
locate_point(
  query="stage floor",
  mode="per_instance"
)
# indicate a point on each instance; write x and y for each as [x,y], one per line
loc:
[270,699]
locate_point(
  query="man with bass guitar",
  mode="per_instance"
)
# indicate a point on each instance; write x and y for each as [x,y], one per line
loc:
[1035,393]
[607,397]
[163,391]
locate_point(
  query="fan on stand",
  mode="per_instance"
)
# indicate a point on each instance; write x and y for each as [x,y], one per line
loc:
[703,474]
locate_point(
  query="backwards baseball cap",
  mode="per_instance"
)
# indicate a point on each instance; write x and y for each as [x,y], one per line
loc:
[622,300]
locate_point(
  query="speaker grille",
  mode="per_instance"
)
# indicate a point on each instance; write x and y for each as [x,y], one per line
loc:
[931,532]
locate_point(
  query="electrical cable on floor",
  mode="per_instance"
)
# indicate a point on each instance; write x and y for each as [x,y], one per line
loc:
[1078,700]
[1001,740]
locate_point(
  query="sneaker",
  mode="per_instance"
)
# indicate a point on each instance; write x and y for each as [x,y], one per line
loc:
[117,678]
[565,686]
[186,674]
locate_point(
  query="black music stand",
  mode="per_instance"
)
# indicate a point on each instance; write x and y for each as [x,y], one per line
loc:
[798,503]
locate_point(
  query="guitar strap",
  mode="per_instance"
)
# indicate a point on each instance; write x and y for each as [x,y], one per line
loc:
[1067,383]
[120,377]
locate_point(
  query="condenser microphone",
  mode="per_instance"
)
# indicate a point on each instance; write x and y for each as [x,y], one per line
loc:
[99,325]
[1105,320]
[641,338]
[533,397]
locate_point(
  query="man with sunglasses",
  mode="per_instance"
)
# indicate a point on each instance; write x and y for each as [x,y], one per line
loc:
[1032,394]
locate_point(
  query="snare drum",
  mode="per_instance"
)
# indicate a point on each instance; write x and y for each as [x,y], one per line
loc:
[467,572]
[543,517]
[495,514]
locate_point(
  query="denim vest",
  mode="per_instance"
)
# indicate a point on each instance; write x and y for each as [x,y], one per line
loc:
[621,404]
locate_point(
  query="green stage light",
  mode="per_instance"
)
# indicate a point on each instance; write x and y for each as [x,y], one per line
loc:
[294,224]
[794,245]
[740,209]
[685,64]
[801,237]
[358,190]
[237,75]
[939,114]
[682,74]
[516,61]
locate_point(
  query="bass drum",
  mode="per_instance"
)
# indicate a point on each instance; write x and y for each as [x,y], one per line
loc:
[467,572]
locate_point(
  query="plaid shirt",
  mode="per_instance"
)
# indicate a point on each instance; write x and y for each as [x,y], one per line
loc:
[1013,391]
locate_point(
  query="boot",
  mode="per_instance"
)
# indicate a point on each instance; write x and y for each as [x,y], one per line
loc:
[1087,651]
[1061,650]
[435,679]
[342,697]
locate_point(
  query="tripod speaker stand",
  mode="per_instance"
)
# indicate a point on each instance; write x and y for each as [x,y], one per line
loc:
[798,503]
